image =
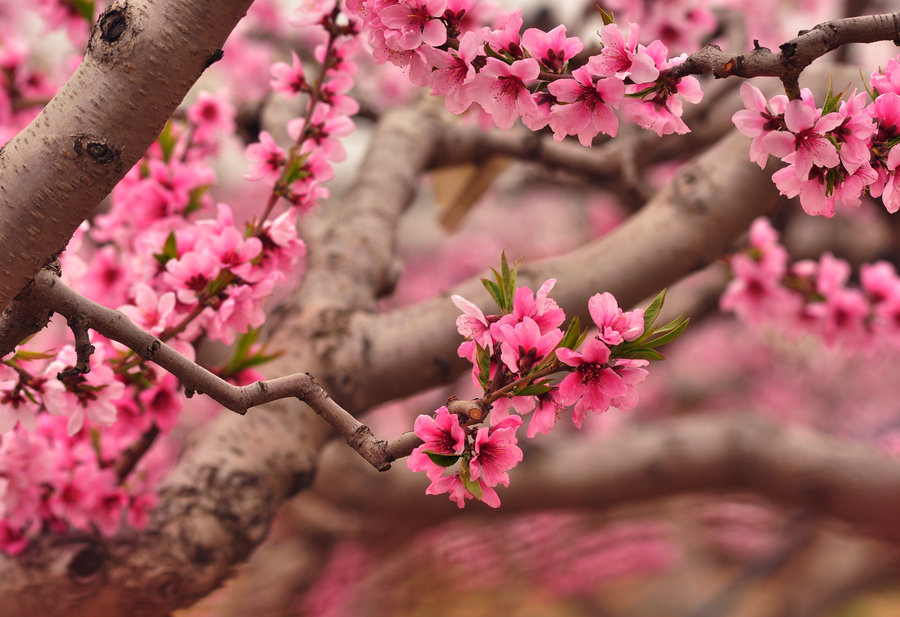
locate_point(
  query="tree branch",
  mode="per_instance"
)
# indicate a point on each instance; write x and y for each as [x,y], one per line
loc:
[685,227]
[796,54]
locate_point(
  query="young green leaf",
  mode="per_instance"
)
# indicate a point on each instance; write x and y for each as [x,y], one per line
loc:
[643,353]
[535,389]
[473,486]
[669,336]
[495,292]
[443,460]
[652,311]
[484,366]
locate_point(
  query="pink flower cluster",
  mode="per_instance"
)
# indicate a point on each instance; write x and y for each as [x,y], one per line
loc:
[519,359]
[813,297]
[834,154]
[526,76]
[179,266]
[56,468]
[299,173]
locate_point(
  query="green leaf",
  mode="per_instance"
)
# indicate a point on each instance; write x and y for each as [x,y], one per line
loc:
[484,366]
[166,141]
[194,203]
[444,460]
[169,251]
[295,170]
[509,282]
[534,389]
[85,8]
[495,292]
[473,486]
[643,353]
[669,336]
[26,355]
[573,333]
[652,311]
[606,17]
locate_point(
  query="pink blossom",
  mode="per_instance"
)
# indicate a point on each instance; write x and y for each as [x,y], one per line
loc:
[888,80]
[325,127]
[854,132]
[458,492]
[811,145]
[211,115]
[616,326]
[472,324]
[593,382]
[505,37]
[454,72]
[92,395]
[289,79]
[442,434]
[496,452]
[548,409]
[539,306]
[411,23]
[16,405]
[759,120]
[501,90]
[523,345]
[267,157]
[191,274]
[623,57]
[660,110]
[589,108]
[552,49]
[151,311]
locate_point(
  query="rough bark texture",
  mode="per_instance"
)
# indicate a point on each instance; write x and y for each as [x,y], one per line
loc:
[143,57]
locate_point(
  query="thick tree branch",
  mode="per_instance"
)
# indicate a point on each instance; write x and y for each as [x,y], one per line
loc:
[685,227]
[142,58]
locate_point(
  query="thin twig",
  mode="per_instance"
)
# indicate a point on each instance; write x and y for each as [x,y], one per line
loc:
[54,294]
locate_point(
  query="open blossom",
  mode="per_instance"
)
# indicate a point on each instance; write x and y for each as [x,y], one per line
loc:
[92,395]
[593,383]
[502,92]
[589,106]
[538,305]
[496,452]
[552,49]
[454,72]
[661,108]
[472,324]
[288,79]
[523,345]
[411,23]
[442,434]
[267,157]
[759,121]
[811,145]
[616,326]
[623,56]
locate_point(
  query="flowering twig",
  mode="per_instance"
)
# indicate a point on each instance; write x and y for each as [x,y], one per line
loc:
[49,291]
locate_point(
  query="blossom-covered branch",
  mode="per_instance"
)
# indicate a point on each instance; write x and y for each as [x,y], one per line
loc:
[48,291]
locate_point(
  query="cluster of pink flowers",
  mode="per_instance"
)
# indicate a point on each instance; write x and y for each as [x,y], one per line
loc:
[813,297]
[300,172]
[518,360]
[181,267]
[834,154]
[513,75]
